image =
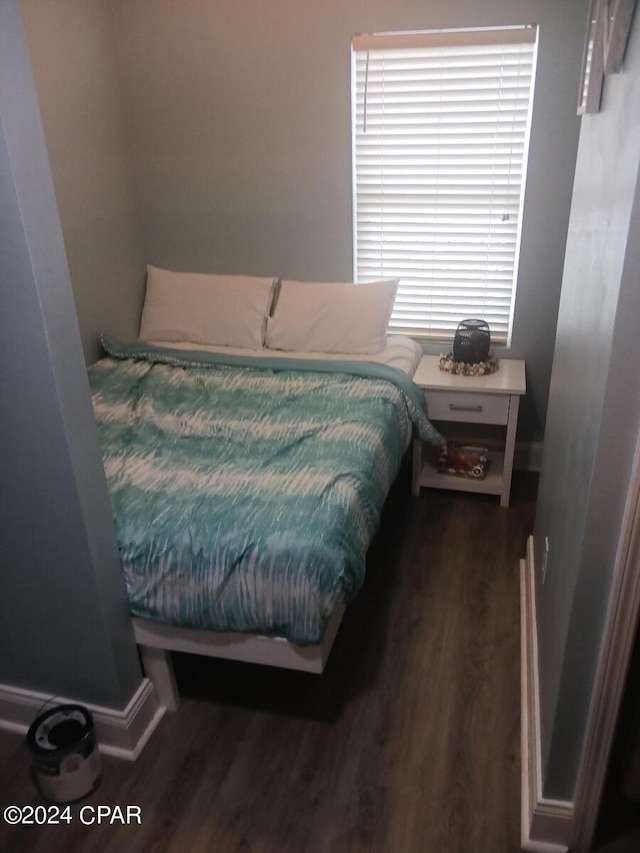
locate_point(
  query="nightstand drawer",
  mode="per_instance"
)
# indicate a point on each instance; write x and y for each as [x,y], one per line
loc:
[468,407]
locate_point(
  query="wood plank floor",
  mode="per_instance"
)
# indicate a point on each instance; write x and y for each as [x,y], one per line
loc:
[408,742]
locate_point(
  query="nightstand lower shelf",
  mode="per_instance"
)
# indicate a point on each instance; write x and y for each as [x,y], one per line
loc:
[491,484]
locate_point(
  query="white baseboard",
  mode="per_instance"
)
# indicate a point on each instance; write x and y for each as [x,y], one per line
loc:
[122,734]
[546,825]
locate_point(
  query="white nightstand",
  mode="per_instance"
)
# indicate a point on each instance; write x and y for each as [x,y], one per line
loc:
[492,399]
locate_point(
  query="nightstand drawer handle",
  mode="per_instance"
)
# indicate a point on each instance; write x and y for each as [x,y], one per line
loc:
[456,408]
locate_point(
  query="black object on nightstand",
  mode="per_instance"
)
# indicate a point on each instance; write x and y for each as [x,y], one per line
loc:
[471,341]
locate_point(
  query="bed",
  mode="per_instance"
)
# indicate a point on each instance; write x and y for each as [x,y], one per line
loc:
[247,483]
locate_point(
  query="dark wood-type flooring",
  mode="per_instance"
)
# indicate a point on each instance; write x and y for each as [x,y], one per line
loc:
[409,742]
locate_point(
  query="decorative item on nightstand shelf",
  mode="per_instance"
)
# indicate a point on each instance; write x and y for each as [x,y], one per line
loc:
[463,461]
[470,356]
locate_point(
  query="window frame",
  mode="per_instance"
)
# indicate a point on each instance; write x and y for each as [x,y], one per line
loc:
[459,38]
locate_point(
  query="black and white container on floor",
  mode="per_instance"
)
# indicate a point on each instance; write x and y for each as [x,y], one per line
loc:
[65,759]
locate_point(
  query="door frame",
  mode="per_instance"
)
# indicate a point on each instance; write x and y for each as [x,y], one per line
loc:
[611,673]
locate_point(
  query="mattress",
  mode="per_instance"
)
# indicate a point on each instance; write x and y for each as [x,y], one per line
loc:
[245,490]
[401,352]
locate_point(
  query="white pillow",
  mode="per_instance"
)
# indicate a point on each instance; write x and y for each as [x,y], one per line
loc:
[332,317]
[225,310]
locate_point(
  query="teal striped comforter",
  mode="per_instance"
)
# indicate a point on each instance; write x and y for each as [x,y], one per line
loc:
[245,494]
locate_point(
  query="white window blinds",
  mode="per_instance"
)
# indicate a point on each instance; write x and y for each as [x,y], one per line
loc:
[440,125]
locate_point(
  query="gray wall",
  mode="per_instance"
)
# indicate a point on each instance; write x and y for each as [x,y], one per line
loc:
[239,120]
[71,45]
[64,623]
[593,420]
[237,117]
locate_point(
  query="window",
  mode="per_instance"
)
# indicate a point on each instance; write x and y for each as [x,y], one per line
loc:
[440,136]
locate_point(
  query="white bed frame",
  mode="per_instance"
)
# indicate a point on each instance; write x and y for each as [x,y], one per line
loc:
[156,641]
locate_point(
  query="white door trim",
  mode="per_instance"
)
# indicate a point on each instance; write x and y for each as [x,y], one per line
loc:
[546,825]
[611,672]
